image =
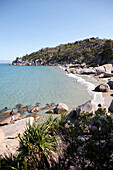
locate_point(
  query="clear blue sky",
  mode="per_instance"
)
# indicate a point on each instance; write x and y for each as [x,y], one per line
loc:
[29,25]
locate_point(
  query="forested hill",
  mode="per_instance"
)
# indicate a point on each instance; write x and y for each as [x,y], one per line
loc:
[92,51]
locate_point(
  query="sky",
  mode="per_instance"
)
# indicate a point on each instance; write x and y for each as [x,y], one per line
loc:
[29,25]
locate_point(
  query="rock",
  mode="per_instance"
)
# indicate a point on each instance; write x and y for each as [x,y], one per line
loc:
[106,75]
[100,69]
[18,114]
[88,107]
[61,108]
[4,111]
[88,71]
[35,116]
[73,71]
[83,65]
[50,111]
[108,68]
[44,108]
[102,88]
[7,120]
[1,136]
[18,105]
[37,109]
[22,109]
[11,133]
[110,83]
[52,105]
[30,109]
[72,114]
[111,106]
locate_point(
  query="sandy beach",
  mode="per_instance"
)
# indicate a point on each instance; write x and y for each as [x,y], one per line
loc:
[106,97]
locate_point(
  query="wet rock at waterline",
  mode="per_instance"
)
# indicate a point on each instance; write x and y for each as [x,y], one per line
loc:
[102,88]
[4,111]
[61,108]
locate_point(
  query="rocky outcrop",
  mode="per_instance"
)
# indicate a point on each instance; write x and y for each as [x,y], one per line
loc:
[10,143]
[22,109]
[4,111]
[102,88]
[61,108]
[7,120]
[88,107]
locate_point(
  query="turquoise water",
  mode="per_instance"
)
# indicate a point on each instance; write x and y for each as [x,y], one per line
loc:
[44,84]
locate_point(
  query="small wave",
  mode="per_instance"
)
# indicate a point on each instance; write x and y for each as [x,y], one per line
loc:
[97,96]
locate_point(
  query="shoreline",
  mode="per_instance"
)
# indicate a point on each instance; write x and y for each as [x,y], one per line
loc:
[105,97]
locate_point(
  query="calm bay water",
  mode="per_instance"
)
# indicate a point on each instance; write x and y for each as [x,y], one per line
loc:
[31,84]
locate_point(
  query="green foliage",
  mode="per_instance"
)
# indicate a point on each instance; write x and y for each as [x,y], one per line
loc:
[88,50]
[87,144]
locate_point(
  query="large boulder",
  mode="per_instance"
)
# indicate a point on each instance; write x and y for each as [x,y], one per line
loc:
[11,132]
[100,69]
[4,111]
[88,71]
[110,83]
[88,107]
[102,88]
[22,109]
[106,75]
[61,108]
[111,106]
[108,68]
[7,120]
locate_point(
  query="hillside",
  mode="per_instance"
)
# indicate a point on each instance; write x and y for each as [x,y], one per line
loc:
[92,51]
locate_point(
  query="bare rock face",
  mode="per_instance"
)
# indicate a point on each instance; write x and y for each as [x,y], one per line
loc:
[11,132]
[88,107]
[61,108]
[102,88]
[110,83]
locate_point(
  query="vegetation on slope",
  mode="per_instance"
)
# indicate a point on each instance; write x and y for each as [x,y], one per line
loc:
[92,51]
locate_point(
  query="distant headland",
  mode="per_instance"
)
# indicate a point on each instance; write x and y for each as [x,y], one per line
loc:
[92,51]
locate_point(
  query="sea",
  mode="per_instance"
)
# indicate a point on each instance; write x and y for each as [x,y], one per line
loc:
[28,85]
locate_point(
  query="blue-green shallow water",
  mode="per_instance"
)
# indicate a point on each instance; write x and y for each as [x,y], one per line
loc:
[31,84]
